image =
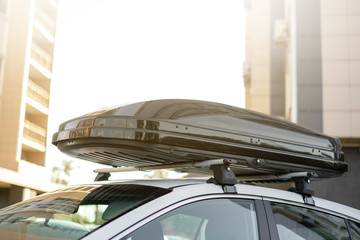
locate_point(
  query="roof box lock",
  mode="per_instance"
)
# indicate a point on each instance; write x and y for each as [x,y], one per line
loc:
[256,163]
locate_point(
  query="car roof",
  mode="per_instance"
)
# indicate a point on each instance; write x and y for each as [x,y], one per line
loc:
[266,193]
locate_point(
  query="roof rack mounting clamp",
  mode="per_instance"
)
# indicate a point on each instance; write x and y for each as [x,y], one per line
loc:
[223,175]
[102,176]
[303,187]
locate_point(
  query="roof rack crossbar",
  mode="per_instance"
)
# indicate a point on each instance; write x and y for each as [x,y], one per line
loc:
[103,174]
[275,177]
[205,163]
[301,179]
[223,175]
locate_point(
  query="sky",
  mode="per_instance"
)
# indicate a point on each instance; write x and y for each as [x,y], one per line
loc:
[113,52]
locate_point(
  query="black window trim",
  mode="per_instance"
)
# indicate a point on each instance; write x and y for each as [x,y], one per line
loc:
[347,222]
[348,228]
[274,235]
[262,220]
[272,223]
[317,208]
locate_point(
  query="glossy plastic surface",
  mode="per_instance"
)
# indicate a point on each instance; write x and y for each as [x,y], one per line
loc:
[170,131]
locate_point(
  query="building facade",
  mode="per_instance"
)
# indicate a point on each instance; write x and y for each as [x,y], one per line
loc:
[27,37]
[303,65]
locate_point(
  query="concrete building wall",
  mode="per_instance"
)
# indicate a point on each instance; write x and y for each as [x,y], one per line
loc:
[344,189]
[340,45]
[340,29]
[308,64]
[4,26]
[258,54]
[321,78]
[26,53]
[277,58]
[15,77]
[265,58]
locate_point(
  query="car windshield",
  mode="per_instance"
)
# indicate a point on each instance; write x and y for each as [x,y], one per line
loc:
[72,212]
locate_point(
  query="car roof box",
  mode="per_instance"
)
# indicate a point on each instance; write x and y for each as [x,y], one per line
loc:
[170,132]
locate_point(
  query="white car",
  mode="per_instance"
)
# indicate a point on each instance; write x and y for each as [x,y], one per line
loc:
[235,146]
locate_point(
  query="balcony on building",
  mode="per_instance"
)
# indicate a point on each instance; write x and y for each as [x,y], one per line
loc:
[42,46]
[33,143]
[38,85]
[35,124]
[37,97]
[41,60]
[44,25]
[49,7]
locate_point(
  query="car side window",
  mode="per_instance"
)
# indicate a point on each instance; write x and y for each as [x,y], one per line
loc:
[299,223]
[214,219]
[355,230]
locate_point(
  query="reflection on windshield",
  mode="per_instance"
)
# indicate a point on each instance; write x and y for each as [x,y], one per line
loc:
[73,212]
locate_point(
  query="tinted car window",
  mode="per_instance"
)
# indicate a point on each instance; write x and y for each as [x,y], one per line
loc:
[215,219]
[298,223]
[73,212]
[355,230]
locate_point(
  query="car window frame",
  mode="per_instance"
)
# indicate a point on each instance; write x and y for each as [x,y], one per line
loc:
[120,224]
[271,217]
[263,230]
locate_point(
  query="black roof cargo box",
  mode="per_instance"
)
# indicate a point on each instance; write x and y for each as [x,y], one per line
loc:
[175,131]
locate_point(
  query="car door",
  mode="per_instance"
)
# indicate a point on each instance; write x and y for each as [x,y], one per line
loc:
[218,217]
